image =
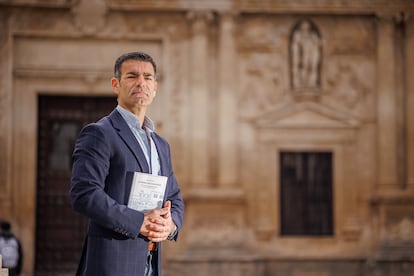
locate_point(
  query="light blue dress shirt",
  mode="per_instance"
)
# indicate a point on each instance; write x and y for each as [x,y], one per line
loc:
[143,136]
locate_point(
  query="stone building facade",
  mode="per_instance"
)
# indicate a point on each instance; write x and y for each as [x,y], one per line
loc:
[241,83]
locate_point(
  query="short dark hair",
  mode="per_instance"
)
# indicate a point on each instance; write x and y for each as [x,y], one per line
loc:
[141,56]
[5,226]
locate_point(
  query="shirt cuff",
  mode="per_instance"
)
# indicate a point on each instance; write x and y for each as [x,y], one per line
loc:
[172,234]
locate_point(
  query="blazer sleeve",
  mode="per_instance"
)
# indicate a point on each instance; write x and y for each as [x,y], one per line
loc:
[91,165]
[177,206]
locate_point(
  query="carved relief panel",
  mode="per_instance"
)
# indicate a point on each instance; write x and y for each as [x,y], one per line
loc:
[273,63]
[305,86]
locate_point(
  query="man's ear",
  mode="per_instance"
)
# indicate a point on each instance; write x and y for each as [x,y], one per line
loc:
[114,82]
[115,85]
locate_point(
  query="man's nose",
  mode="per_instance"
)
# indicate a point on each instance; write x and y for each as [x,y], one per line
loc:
[140,80]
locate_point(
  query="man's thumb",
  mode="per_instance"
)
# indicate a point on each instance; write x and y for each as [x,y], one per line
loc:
[167,204]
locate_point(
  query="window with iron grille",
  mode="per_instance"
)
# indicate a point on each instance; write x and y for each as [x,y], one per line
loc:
[306,193]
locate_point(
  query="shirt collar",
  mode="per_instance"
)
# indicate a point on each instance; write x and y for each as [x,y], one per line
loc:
[133,121]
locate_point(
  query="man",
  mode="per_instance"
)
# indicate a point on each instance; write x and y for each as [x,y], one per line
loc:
[10,250]
[121,240]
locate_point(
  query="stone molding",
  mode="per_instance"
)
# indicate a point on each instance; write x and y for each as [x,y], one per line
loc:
[306,115]
[243,6]
[39,3]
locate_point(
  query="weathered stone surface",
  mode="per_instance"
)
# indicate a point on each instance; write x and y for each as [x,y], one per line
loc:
[228,105]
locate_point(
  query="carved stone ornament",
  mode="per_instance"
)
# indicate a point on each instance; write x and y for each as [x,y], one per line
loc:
[89,15]
[349,86]
[267,70]
[200,20]
[403,231]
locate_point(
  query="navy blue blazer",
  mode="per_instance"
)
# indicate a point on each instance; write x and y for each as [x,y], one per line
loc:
[105,157]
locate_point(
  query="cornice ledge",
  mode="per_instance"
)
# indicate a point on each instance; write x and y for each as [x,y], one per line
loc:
[215,195]
[61,73]
[306,115]
[168,5]
[38,4]
[392,197]
[332,6]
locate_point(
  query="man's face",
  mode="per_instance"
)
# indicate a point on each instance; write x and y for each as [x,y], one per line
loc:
[137,86]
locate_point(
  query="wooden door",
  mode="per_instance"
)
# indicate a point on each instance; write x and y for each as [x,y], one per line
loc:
[60,231]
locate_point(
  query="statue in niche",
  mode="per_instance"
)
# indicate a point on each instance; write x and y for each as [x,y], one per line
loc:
[305,51]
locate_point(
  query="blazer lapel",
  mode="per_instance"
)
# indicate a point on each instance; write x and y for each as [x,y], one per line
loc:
[128,137]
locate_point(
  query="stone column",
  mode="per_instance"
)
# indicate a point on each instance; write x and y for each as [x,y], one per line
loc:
[386,132]
[394,203]
[200,98]
[409,57]
[227,120]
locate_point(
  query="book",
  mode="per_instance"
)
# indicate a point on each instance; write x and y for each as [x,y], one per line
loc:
[147,192]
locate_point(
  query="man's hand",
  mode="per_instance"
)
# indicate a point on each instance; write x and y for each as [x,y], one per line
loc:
[158,224]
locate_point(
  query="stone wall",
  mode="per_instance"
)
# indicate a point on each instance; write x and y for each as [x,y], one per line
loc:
[231,97]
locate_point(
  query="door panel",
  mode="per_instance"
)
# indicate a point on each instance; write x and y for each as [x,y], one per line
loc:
[59,230]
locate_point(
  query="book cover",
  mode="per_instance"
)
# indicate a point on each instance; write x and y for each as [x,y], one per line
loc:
[147,192]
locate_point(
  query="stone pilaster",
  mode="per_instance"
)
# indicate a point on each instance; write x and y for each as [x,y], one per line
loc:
[409,57]
[387,132]
[200,98]
[227,120]
[394,203]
